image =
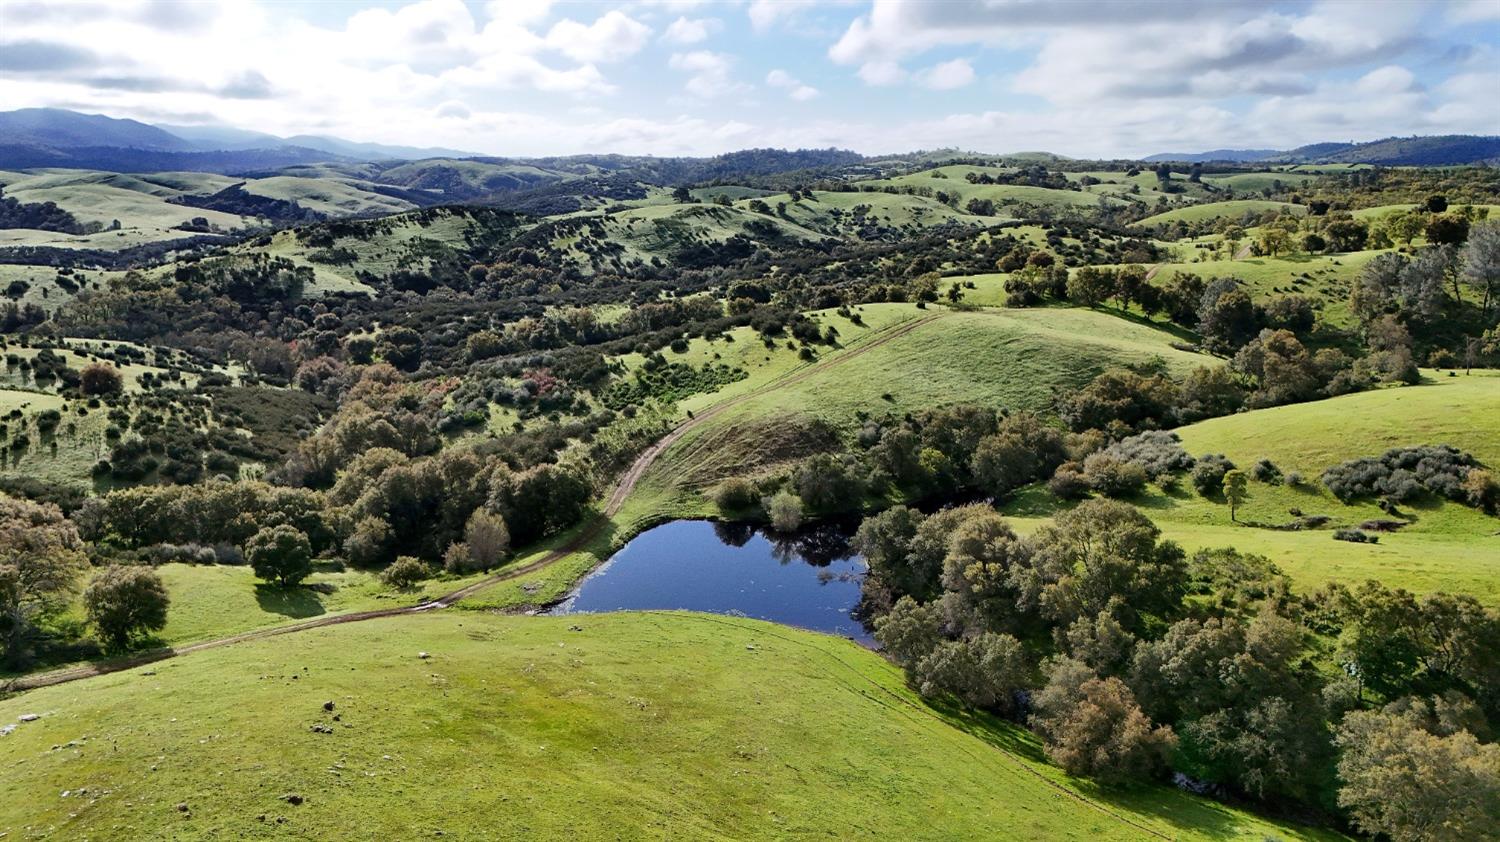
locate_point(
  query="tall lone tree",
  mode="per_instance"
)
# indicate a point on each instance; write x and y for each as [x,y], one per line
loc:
[1236,490]
[281,554]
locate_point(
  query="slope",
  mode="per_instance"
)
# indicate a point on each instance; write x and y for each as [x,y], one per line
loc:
[673,725]
[999,358]
[1446,547]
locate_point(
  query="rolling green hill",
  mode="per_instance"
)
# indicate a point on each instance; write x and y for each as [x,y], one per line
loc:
[950,179]
[1000,358]
[671,725]
[1447,547]
[1233,209]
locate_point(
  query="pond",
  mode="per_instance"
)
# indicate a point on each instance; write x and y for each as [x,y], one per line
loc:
[810,579]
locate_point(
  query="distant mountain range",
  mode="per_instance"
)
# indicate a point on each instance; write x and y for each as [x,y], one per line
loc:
[1436,150]
[56,137]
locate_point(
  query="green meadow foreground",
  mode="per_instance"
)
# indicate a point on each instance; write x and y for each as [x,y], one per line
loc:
[589,727]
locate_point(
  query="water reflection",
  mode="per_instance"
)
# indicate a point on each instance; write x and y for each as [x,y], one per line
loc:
[809,579]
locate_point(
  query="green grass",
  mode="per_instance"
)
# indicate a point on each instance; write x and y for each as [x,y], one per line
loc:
[213,601]
[988,291]
[1326,278]
[1233,209]
[999,358]
[659,725]
[1449,547]
[1254,182]
[1309,437]
[950,179]
[833,212]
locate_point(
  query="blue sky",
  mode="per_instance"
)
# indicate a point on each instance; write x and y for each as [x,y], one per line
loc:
[523,77]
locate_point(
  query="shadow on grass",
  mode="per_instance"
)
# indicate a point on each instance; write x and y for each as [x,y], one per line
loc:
[295,602]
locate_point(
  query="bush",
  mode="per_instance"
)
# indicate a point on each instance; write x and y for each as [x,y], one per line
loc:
[405,572]
[1093,726]
[1069,482]
[122,602]
[785,511]
[101,379]
[1403,474]
[182,554]
[487,537]
[1266,471]
[1157,451]
[1113,477]
[1355,536]
[458,560]
[369,544]
[735,494]
[1208,473]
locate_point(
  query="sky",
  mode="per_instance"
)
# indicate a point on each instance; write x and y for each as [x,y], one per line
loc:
[1086,78]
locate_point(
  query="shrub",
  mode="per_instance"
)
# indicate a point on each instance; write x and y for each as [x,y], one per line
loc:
[1113,477]
[457,559]
[487,537]
[1295,479]
[1208,473]
[369,544]
[1403,474]
[1069,482]
[101,379]
[785,511]
[1266,471]
[181,553]
[1159,452]
[734,494]
[405,572]
[1355,536]
[122,602]
[1093,726]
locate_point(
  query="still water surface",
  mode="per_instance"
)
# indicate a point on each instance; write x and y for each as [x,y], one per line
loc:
[810,580]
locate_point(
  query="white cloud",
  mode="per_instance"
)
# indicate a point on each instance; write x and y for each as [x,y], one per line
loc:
[710,73]
[879,73]
[794,87]
[612,37]
[765,14]
[948,75]
[518,11]
[689,30]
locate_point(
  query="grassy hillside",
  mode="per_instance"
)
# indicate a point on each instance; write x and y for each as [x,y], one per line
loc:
[328,196]
[1309,437]
[872,215]
[1448,547]
[138,203]
[1326,278]
[1001,358]
[673,725]
[951,179]
[1233,209]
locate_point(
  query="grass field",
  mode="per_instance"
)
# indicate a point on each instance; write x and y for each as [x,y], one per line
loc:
[951,179]
[1233,209]
[653,725]
[834,213]
[1308,437]
[1326,278]
[1448,547]
[997,358]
